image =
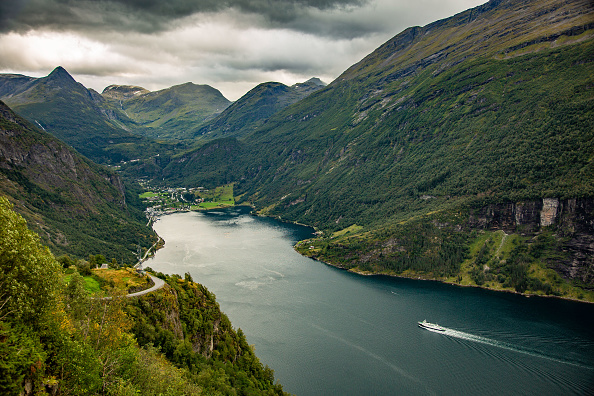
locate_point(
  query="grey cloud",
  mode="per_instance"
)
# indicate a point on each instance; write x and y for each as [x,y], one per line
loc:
[147,16]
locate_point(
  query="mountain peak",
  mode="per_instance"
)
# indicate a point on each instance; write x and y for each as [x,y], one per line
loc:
[315,81]
[59,73]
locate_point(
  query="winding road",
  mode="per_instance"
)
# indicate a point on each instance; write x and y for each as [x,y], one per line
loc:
[159,283]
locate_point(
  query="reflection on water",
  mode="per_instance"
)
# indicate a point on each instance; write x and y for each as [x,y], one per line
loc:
[327,331]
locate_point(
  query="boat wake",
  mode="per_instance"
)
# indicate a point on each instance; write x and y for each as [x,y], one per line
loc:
[504,345]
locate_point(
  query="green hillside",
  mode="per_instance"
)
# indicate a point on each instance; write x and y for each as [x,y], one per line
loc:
[172,113]
[77,207]
[76,115]
[255,107]
[56,338]
[491,107]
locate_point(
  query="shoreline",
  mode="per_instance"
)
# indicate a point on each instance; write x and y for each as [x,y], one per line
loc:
[367,273]
[421,278]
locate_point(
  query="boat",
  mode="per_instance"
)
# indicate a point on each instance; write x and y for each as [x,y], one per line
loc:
[431,326]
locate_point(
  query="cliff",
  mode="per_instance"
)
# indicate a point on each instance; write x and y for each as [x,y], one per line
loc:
[572,220]
[185,322]
[69,200]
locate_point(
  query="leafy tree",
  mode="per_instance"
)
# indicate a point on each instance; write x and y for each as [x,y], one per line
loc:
[19,353]
[83,267]
[29,274]
[65,260]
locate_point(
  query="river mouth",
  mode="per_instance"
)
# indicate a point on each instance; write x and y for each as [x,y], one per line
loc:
[328,331]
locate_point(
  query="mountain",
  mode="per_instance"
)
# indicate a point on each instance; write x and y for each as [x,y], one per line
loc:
[76,115]
[172,113]
[255,107]
[76,206]
[416,159]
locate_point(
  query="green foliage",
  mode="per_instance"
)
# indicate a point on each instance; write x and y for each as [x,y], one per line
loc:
[65,261]
[231,363]
[83,267]
[60,339]
[29,274]
[20,353]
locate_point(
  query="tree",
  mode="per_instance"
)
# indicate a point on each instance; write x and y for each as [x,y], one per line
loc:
[29,274]
[83,267]
[65,260]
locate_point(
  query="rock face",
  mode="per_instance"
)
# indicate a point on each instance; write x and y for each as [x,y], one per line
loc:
[549,211]
[68,200]
[123,92]
[572,219]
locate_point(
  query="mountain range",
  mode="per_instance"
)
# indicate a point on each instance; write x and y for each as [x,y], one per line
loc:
[172,113]
[459,151]
[440,125]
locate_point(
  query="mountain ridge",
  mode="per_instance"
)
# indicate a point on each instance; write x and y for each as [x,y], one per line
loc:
[435,123]
[70,201]
[170,113]
[256,106]
[64,107]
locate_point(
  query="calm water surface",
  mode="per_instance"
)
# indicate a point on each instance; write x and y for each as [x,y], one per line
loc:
[329,332]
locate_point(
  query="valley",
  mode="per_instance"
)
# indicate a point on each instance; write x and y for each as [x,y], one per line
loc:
[403,163]
[460,152]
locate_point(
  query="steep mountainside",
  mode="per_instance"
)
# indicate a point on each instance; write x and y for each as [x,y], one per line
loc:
[76,206]
[76,115]
[255,107]
[57,337]
[185,322]
[491,106]
[172,113]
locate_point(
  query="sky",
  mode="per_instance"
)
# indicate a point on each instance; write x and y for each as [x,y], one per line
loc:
[232,45]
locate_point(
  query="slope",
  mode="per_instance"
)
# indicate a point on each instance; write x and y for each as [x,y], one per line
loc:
[76,206]
[75,115]
[172,113]
[255,107]
[492,106]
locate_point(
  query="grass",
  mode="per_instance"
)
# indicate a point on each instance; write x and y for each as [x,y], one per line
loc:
[213,205]
[92,285]
[349,230]
[121,278]
[148,194]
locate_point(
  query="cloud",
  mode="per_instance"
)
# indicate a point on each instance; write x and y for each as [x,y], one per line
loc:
[148,16]
[230,44]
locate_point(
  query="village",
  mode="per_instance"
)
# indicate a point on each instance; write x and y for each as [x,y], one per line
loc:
[166,200]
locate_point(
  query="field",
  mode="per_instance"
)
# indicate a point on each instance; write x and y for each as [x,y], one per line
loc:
[122,279]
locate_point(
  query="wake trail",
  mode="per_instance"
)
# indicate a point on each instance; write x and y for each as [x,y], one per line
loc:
[381,359]
[504,345]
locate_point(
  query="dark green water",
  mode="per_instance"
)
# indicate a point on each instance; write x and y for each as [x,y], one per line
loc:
[329,332]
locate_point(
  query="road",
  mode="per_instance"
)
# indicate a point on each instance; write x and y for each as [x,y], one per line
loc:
[159,283]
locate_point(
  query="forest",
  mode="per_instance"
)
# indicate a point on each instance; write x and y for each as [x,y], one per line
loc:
[55,337]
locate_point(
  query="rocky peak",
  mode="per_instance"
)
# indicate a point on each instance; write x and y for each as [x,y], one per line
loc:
[59,74]
[315,81]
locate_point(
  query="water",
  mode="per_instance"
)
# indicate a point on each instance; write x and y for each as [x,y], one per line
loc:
[326,331]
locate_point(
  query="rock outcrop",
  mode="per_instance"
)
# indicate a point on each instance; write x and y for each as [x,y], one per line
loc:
[573,222]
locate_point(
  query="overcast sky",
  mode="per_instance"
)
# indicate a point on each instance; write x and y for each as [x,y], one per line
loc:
[232,45]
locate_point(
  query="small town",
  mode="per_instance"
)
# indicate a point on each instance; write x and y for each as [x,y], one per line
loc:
[166,200]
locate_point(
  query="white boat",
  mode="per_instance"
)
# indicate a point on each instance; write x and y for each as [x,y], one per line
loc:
[431,326]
